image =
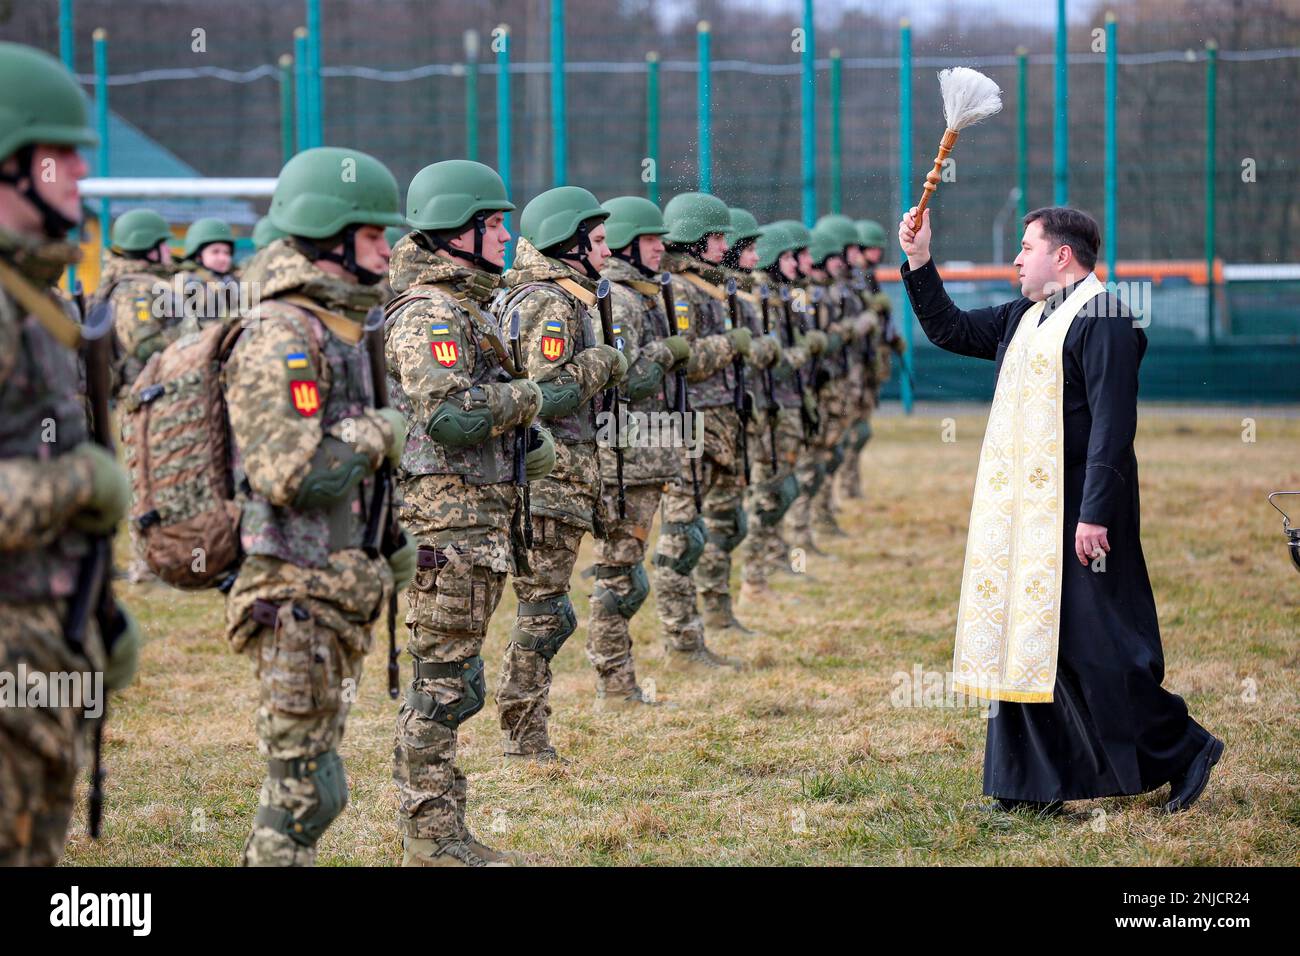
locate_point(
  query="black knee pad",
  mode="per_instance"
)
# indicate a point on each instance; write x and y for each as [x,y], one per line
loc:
[861,435]
[473,691]
[623,605]
[786,490]
[739,528]
[695,536]
[325,772]
[814,484]
[549,644]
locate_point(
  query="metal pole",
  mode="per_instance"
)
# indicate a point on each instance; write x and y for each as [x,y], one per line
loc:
[702,109]
[303,87]
[1211,95]
[1112,205]
[1022,131]
[559,144]
[316,104]
[835,131]
[471,95]
[808,120]
[102,168]
[1061,146]
[652,124]
[287,145]
[905,187]
[68,54]
[503,123]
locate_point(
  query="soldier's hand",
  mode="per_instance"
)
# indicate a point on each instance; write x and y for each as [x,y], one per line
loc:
[765,352]
[124,657]
[402,562]
[915,242]
[397,423]
[617,374]
[741,340]
[816,341]
[680,349]
[110,495]
[540,458]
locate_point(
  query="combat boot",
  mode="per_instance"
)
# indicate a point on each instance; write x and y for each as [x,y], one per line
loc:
[549,755]
[419,852]
[485,852]
[715,611]
[624,700]
[700,660]
[827,526]
[754,593]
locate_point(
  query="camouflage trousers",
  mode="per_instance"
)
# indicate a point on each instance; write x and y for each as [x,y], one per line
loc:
[308,675]
[524,690]
[41,748]
[722,493]
[449,608]
[848,480]
[619,553]
[834,414]
[763,498]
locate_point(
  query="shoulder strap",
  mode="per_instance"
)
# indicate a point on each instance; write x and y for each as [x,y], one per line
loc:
[349,331]
[47,311]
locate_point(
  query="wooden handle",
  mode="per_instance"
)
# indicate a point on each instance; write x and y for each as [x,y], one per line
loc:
[932,178]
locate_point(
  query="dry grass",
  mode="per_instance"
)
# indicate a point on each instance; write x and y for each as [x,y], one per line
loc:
[802,759]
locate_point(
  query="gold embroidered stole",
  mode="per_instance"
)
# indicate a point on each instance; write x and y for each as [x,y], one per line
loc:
[1009,618]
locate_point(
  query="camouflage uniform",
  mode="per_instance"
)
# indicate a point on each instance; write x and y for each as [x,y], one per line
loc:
[772,492]
[621,581]
[40,489]
[558,328]
[700,318]
[458,504]
[145,317]
[867,356]
[205,297]
[307,594]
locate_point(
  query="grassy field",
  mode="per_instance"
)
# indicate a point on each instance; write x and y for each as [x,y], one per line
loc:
[802,759]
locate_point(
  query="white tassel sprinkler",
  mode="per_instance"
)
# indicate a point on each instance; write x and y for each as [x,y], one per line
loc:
[968,97]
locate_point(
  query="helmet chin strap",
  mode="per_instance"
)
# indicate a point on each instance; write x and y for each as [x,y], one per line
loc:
[53,223]
[474,258]
[633,259]
[578,256]
[348,260]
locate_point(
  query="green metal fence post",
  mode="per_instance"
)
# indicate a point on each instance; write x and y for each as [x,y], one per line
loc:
[1022,131]
[559,129]
[302,84]
[315,95]
[702,108]
[652,124]
[905,187]
[503,121]
[1060,145]
[835,131]
[471,95]
[68,54]
[808,117]
[1211,96]
[1112,205]
[101,127]
[287,145]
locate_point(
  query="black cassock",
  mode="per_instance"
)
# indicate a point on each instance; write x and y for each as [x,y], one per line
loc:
[1111,728]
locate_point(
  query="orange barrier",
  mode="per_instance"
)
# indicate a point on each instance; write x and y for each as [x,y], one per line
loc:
[1156,270]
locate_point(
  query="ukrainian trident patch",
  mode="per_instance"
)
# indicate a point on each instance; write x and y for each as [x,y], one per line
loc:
[553,340]
[305,397]
[444,349]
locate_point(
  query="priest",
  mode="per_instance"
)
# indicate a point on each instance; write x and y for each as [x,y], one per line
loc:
[1057,622]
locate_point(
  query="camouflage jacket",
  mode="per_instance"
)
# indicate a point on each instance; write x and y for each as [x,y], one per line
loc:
[827,315]
[146,318]
[298,394]
[202,297]
[640,326]
[702,318]
[442,346]
[558,326]
[42,418]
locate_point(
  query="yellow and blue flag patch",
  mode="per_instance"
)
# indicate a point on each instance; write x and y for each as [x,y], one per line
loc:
[554,327]
[440,328]
[295,361]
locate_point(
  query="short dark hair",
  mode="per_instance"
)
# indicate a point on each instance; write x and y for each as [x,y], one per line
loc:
[1064,226]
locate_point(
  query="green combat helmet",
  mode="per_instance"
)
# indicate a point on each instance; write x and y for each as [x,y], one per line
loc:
[204,232]
[265,233]
[800,233]
[138,232]
[871,234]
[445,197]
[40,104]
[327,193]
[743,226]
[631,217]
[555,217]
[394,234]
[824,244]
[773,239]
[841,229]
[692,216]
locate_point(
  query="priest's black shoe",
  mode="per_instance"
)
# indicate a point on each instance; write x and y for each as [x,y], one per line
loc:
[1035,807]
[1186,789]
